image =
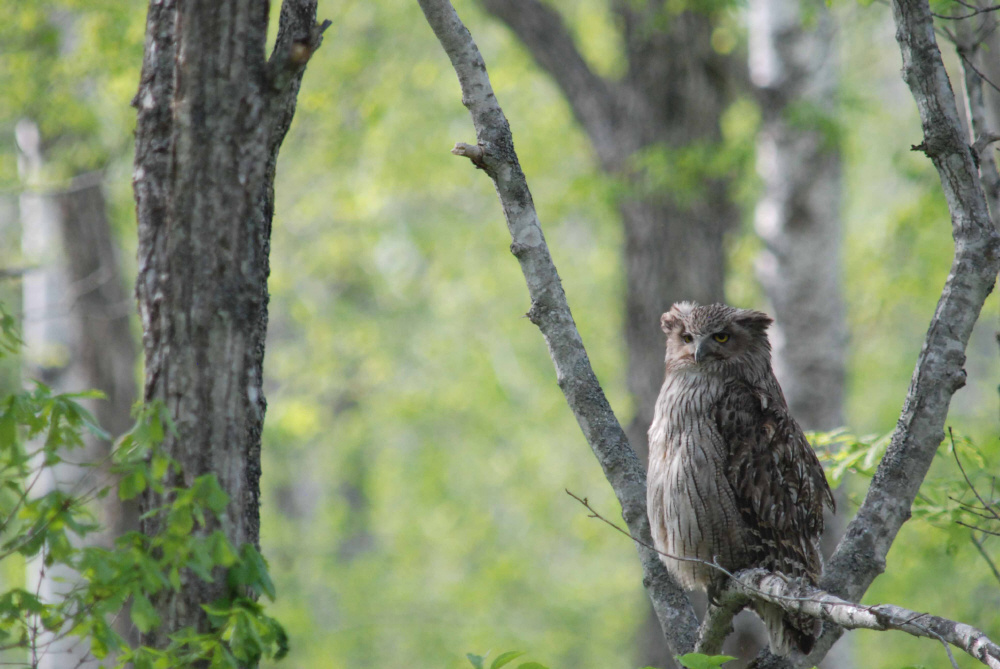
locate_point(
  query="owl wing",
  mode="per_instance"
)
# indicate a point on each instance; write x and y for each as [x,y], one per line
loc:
[778,481]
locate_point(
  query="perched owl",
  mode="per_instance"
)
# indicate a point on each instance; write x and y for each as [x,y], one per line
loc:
[732,478]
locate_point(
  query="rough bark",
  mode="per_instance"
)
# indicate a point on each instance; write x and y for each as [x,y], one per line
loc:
[212,112]
[495,154]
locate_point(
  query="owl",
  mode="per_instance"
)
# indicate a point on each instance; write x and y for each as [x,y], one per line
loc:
[732,478]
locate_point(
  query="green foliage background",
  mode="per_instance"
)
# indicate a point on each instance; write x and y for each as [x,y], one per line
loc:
[416,445]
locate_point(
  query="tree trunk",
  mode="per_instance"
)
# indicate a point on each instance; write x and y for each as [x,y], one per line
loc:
[212,113]
[793,69]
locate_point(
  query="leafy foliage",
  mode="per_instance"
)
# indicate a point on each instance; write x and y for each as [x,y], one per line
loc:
[39,433]
[700,661]
[501,660]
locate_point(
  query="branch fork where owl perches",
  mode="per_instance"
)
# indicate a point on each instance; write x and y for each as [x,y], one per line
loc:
[861,555]
[796,596]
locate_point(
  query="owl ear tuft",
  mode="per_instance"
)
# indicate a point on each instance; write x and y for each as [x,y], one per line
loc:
[754,320]
[674,318]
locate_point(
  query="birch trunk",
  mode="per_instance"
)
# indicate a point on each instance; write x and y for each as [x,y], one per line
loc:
[793,71]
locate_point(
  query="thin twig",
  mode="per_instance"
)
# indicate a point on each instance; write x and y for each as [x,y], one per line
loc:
[983,10]
[976,70]
[982,551]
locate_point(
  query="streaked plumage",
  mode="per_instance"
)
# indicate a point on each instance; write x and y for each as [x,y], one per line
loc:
[731,477]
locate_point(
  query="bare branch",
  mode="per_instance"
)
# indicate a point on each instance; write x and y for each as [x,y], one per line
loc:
[794,596]
[975,12]
[593,99]
[976,105]
[982,551]
[550,312]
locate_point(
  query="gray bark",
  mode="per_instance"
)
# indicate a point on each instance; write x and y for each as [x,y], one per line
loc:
[774,588]
[212,113]
[939,372]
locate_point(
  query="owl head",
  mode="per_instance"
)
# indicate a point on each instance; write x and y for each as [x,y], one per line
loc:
[715,337]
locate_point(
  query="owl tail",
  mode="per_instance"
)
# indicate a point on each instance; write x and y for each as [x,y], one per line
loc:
[789,632]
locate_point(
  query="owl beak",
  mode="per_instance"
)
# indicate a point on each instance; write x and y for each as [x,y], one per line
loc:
[700,353]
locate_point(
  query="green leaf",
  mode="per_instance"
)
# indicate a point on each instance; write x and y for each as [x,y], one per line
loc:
[699,661]
[476,660]
[531,665]
[506,658]
[143,614]
[132,485]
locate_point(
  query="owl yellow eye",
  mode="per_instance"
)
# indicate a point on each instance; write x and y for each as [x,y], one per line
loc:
[686,338]
[721,337]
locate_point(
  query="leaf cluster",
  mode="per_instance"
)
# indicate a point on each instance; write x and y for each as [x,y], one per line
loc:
[48,526]
[502,660]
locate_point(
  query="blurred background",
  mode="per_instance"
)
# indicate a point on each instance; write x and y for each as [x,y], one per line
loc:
[417,447]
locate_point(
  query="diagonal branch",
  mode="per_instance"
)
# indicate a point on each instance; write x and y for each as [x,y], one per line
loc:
[939,371]
[593,99]
[981,133]
[550,312]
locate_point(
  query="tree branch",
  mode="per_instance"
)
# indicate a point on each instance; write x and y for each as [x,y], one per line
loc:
[594,100]
[981,133]
[939,372]
[796,597]
[550,312]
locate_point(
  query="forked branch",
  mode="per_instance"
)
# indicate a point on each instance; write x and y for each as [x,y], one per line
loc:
[938,374]
[795,596]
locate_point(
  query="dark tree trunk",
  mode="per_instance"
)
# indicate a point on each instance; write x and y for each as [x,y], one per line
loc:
[102,337]
[212,113]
